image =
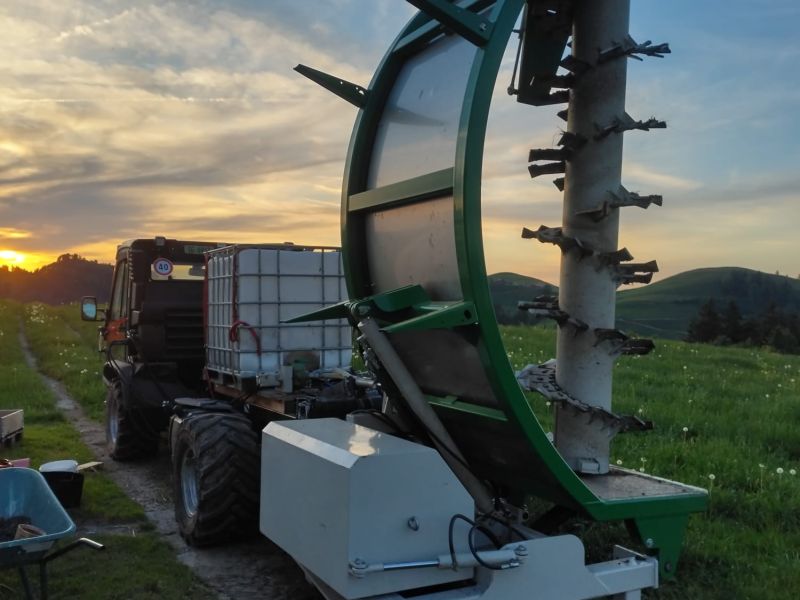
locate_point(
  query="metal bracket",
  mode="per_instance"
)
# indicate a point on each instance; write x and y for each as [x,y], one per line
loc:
[622,344]
[626,123]
[559,183]
[472,27]
[542,379]
[354,94]
[630,48]
[621,199]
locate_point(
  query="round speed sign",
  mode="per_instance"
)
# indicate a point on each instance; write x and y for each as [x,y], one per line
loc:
[162,266]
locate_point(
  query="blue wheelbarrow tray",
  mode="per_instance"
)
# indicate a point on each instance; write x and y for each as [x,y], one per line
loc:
[24,492]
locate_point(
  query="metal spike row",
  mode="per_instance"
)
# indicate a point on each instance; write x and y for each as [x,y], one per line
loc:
[635,272]
[561,154]
[630,48]
[563,114]
[550,310]
[542,379]
[569,142]
[572,141]
[621,199]
[555,235]
[615,258]
[631,279]
[626,123]
[575,66]
[547,168]
[625,198]
[622,343]
[561,82]
[559,183]
[558,97]
[561,97]
[610,335]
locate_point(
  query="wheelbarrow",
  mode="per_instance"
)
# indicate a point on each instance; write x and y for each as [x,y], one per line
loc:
[24,492]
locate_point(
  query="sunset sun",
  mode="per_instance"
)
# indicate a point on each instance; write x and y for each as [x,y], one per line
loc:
[10,258]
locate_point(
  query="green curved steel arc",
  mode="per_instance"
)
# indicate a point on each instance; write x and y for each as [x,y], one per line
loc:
[467,216]
[469,239]
[540,467]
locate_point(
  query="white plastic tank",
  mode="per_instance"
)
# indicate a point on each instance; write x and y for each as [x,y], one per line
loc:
[251,290]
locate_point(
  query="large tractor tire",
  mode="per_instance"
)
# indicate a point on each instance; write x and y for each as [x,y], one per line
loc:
[216,473]
[130,434]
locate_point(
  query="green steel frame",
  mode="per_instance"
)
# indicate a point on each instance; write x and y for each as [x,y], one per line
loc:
[658,520]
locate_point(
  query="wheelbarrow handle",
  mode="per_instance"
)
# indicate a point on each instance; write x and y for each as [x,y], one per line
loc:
[72,546]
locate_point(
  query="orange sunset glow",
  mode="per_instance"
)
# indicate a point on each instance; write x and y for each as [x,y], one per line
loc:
[201,130]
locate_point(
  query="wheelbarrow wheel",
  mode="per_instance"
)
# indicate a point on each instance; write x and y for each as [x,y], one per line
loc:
[216,472]
[130,434]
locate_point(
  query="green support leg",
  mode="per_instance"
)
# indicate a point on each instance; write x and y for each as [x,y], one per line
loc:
[663,537]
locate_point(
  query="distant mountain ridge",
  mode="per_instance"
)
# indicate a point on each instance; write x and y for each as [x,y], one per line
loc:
[664,308]
[64,281]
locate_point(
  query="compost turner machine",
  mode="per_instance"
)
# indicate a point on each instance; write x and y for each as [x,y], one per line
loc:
[431,496]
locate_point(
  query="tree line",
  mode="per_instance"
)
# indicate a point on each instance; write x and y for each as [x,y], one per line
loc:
[66,280]
[773,327]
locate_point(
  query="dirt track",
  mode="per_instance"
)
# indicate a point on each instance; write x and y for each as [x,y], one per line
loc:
[256,569]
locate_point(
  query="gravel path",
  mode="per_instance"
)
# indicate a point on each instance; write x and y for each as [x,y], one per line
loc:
[256,569]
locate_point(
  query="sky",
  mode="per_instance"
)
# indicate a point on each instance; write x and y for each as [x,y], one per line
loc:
[134,118]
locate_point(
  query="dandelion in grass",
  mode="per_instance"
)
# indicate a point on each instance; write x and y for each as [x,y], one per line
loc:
[792,472]
[779,470]
[619,462]
[641,469]
[685,430]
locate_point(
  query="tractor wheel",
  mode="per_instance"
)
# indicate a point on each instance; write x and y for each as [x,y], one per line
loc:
[130,434]
[216,472]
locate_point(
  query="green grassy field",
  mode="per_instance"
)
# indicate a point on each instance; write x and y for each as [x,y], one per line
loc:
[725,419]
[138,565]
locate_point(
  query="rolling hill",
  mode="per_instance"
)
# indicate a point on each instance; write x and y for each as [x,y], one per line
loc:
[65,280]
[664,309]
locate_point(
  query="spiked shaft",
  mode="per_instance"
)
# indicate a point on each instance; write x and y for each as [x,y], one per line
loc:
[587,293]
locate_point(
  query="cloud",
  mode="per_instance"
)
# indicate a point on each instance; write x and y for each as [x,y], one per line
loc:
[637,174]
[135,118]
[11,233]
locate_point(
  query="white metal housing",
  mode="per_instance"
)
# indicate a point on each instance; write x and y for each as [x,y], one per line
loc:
[335,493]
